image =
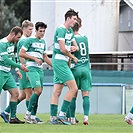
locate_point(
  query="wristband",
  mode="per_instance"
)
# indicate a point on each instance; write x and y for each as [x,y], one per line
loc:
[16,69]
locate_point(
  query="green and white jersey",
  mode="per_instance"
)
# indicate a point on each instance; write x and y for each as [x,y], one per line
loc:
[62,34]
[34,47]
[83,53]
[6,48]
[19,46]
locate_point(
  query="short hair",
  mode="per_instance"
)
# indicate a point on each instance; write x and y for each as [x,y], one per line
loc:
[16,30]
[26,23]
[40,24]
[79,21]
[70,13]
[77,25]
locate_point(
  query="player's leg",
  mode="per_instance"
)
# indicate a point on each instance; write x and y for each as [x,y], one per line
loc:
[36,83]
[129,117]
[77,75]
[72,108]
[30,114]
[54,103]
[28,93]
[86,106]
[6,112]
[67,99]
[67,78]
[86,87]
[22,96]
[10,85]
[4,115]
[25,88]
[13,106]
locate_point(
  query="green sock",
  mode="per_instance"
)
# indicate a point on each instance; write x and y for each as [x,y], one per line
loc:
[65,106]
[34,110]
[86,105]
[18,101]
[13,107]
[73,107]
[68,112]
[131,111]
[32,102]
[53,109]
[27,103]
[8,108]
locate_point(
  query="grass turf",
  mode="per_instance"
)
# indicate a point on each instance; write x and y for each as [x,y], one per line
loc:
[98,124]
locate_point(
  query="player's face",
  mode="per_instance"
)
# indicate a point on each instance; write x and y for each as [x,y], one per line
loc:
[28,31]
[40,33]
[72,21]
[15,38]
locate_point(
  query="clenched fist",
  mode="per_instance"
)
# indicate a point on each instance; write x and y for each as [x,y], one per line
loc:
[23,68]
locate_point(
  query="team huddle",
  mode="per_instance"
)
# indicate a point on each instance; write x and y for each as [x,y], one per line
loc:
[70,63]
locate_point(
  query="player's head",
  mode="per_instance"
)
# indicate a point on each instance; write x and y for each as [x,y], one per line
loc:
[27,28]
[15,34]
[77,25]
[79,21]
[71,13]
[71,17]
[40,25]
[40,28]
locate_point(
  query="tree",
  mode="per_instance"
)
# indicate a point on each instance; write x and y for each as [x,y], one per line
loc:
[12,13]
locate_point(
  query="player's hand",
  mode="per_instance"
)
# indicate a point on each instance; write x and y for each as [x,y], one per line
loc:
[73,49]
[38,61]
[23,68]
[19,74]
[75,59]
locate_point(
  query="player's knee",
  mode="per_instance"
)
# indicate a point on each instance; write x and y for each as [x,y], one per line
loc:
[15,95]
[56,94]
[74,90]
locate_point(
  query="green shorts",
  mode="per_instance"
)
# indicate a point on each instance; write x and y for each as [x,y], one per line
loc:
[7,81]
[83,78]
[24,83]
[35,76]
[62,72]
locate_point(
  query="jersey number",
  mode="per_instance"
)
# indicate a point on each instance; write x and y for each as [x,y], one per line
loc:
[82,49]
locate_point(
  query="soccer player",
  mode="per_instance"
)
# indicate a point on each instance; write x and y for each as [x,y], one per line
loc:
[33,50]
[7,60]
[82,73]
[63,39]
[25,87]
[129,117]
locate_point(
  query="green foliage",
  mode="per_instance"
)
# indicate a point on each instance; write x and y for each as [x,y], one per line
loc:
[108,123]
[12,13]
[21,8]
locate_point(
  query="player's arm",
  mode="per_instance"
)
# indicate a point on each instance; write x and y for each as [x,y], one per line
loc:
[23,54]
[10,62]
[69,62]
[22,60]
[46,59]
[13,64]
[17,69]
[66,52]
[74,47]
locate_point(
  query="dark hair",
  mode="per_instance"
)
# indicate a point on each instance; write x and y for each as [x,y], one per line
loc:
[40,24]
[77,24]
[70,13]
[16,30]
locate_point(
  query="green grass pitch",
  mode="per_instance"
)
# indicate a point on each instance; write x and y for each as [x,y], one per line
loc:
[107,123]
